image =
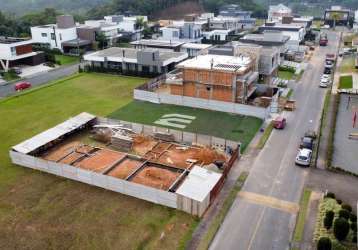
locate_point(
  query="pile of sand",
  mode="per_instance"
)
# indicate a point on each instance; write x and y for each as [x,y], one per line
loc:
[156,177]
[208,155]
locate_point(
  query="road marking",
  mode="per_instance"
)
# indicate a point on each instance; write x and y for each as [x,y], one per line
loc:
[269,201]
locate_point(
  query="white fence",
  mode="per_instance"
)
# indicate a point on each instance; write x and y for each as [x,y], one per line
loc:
[180,136]
[107,182]
[229,107]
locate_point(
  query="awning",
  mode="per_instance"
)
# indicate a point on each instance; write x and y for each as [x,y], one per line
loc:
[76,43]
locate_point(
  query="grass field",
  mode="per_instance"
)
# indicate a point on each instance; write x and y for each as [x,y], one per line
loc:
[42,211]
[346,82]
[224,125]
[347,65]
[284,74]
[64,59]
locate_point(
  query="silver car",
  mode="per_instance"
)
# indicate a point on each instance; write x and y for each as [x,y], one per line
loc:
[303,157]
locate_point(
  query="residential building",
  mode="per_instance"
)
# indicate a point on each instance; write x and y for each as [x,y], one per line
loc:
[195,49]
[215,77]
[245,21]
[108,30]
[157,44]
[53,35]
[338,15]
[18,51]
[134,61]
[277,12]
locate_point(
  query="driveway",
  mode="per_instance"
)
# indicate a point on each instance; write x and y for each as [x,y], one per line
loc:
[41,78]
[267,222]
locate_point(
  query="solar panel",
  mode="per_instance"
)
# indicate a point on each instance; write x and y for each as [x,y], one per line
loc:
[227,66]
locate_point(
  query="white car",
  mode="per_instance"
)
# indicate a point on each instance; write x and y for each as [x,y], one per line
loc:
[324,83]
[329,64]
[303,157]
[326,76]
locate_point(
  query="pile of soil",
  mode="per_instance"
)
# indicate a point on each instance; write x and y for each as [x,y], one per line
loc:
[156,177]
[142,144]
[208,155]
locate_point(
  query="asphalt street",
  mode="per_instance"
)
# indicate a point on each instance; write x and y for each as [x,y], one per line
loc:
[268,223]
[41,78]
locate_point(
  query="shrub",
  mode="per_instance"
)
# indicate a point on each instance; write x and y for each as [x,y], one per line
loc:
[354,226]
[339,201]
[340,228]
[354,239]
[353,217]
[80,70]
[343,213]
[347,207]
[324,243]
[330,195]
[328,219]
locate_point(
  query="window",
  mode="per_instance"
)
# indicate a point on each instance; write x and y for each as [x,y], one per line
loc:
[13,51]
[44,34]
[175,34]
[53,37]
[60,37]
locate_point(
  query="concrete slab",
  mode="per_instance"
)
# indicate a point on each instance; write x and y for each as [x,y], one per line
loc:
[28,71]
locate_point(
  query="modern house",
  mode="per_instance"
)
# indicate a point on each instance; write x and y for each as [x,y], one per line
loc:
[134,61]
[18,51]
[54,35]
[157,44]
[245,21]
[338,15]
[277,12]
[195,49]
[215,77]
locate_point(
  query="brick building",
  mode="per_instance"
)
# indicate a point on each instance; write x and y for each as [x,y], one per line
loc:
[215,77]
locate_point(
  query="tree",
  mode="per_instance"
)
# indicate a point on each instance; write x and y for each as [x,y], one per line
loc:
[340,228]
[343,213]
[324,243]
[328,219]
[101,39]
[347,207]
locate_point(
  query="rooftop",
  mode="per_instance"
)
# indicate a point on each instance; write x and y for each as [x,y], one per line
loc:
[196,46]
[11,40]
[217,62]
[159,43]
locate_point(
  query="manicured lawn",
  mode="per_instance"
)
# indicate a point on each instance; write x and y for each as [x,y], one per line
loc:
[64,59]
[42,211]
[283,74]
[9,76]
[346,82]
[220,124]
[300,223]
[347,65]
[265,136]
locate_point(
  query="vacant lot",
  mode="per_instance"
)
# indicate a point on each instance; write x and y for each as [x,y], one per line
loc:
[41,211]
[347,65]
[64,59]
[220,124]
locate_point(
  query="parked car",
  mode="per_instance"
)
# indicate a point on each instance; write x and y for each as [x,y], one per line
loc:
[324,83]
[303,157]
[327,71]
[329,64]
[307,142]
[279,122]
[22,85]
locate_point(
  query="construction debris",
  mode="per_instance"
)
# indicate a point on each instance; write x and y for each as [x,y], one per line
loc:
[164,136]
[122,142]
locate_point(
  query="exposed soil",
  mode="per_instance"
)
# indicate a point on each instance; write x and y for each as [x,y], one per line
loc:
[125,168]
[142,144]
[59,151]
[156,177]
[100,160]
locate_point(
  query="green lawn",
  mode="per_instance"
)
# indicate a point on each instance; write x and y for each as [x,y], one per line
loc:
[301,219]
[265,136]
[65,59]
[346,82]
[9,76]
[347,65]
[220,124]
[283,74]
[42,211]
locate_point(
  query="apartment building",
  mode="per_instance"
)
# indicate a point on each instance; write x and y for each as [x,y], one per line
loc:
[18,51]
[215,77]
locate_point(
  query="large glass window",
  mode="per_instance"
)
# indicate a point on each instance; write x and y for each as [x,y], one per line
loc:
[44,34]
[53,37]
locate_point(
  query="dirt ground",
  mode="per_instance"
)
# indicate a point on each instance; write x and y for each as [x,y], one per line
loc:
[143,144]
[60,151]
[125,168]
[100,160]
[156,177]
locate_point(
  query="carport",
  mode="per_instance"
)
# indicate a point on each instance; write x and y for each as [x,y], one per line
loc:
[73,47]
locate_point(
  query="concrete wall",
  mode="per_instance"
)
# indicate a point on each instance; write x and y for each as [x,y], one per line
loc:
[228,107]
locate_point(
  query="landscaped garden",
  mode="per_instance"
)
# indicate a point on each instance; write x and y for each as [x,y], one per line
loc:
[346,82]
[336,225]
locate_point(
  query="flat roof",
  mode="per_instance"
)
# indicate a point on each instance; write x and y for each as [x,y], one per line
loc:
[54,133]
[159,43]
[196,46]
[217,62]
[199,183]
[14,40]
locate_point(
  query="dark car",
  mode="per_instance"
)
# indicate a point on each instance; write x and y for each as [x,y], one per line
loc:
[22,85]
[327,71]
[307,142]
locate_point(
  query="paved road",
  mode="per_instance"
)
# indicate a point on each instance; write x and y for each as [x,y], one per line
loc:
[268,222]
[41,78]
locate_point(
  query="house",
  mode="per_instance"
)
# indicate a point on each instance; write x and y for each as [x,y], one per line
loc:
[18,51]
[215,77]
[128,25]
[245,21]
[134,61]
[277,12]
[53,35]
[108,30]
[157,44]
[195,49]
[338,16]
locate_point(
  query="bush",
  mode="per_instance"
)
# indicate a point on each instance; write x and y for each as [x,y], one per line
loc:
[340,228]
[324,243]
[347,207]
[328,219]
[80,70]
[353,217]
[330,195]
[354,226]
[354,239]
[343,213]
[339,201]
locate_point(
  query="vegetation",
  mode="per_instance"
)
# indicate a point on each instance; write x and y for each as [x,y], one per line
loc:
[340,228]
[53,212]
[328,219]
[343,213]
[233,127]
[286,73]
[265,136]
[301,219]
[64,59]
[324,243]
[218,220]
[10,75]
[347,65]
[346,82]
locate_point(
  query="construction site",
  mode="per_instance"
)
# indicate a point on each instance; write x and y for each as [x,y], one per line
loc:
[169,167]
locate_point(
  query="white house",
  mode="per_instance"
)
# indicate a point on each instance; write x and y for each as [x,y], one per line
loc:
[276,12]
[184,31]
[55,34]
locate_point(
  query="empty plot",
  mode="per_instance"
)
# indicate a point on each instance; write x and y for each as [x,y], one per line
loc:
[125,168]
[60,151]
[156,177]
[143,144]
